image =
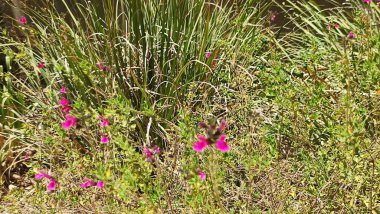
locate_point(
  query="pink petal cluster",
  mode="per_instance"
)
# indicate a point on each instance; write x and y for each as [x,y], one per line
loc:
[90,183]
[220,143]
[273,18]
[103,67]
[335,26]
[104,139]
[201,174]
[201,144]
[69,122]
[51,185]
[149,154]
[104,122]
[63,90]
[367,1]
[22,20]
[41,65]
[208,55]
[351,35]
[65,103]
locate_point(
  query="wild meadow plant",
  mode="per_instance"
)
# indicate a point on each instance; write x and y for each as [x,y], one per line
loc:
[106,82]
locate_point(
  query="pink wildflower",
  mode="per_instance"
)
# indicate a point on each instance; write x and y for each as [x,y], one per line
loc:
[51,185]
[41,65]
[156,150]
[201,174]
[22,20]
[103,67]
[214,136]
[273,18]
[41,174]
[336,25]
[351,35]
[66,109]
[367,1]
[221,144]
[69,122]
[87,183]
[104,121]
[104,139]
[64,102]
[62,90]
[100,66]
[148,154]
[100,184]
[208,55]
[201,144]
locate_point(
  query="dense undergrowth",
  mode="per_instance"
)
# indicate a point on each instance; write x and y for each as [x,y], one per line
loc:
[117,93]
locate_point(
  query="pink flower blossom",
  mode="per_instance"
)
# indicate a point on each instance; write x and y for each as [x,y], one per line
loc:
[201,144]
[102,67]
[367,1]
[64,102]
[22,20]
[41,65]
[99,65]
[100,184]
[104,139]
[41,174]
[104,121]
[336,25]
[221,144]
[87,183]
[208,55]
[201,174]
[148,154]
[222,125]
[66,109]
[69,122]
[273,18]
[351,35]
[51,185]
[62,90]
[156,150]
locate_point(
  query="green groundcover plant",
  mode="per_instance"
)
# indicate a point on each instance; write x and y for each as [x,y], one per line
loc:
[192,107]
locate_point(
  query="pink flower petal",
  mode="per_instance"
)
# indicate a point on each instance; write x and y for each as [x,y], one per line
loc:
[201,174]
[201,144]
[41,174]
[104,121]
[148,154]
[100,184]
[22,20]
[41,65]
[62,90]
[52,185]
[222,145]
[66,109]
[69,122]
[208,55]
[351,35]
[104,139]
[100,66]
[87,183]
[156,150]
[64,102]
[222,125]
